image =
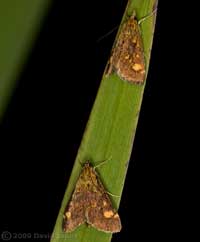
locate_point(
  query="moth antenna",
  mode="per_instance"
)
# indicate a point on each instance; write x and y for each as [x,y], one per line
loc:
[102,162]
[113,195]
[107,34]
[81,164]
[147,16]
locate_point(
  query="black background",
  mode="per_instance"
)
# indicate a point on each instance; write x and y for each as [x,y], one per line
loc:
[43,125]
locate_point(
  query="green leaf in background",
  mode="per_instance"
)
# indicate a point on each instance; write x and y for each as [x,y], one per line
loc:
[20,20]
[110,132]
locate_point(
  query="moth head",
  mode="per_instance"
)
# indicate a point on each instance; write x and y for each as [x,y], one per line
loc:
[133,14]
[87,163]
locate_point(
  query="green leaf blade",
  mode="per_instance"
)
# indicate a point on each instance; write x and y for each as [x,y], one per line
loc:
[110,133]
[20,22]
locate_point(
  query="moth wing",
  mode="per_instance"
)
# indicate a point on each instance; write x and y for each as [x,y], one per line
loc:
[102,216]
[131,66]
[75,213]
[128,55]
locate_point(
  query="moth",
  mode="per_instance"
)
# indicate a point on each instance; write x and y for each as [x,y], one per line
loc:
[90,204]
[127,57]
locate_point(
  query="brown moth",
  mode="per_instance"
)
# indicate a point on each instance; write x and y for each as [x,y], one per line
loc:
[127,57]
[90,204]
